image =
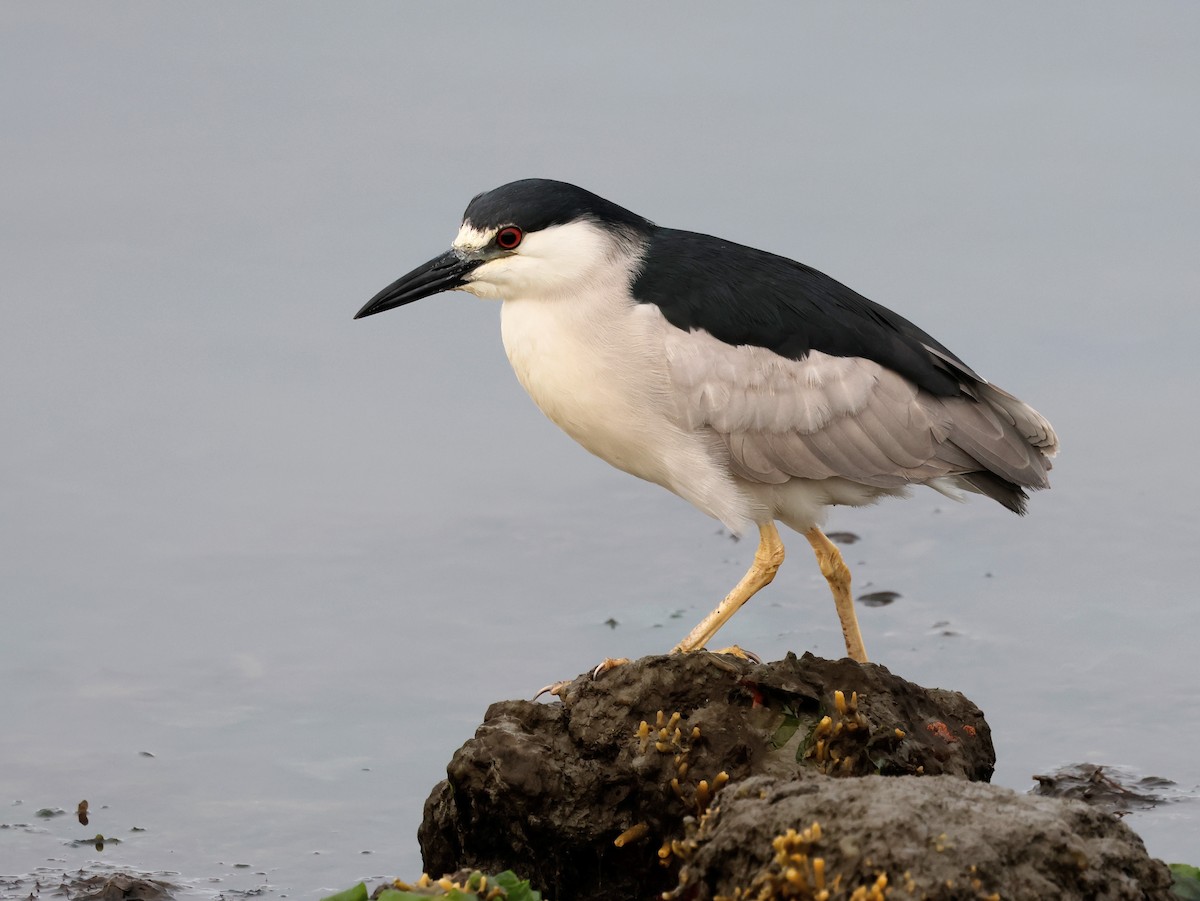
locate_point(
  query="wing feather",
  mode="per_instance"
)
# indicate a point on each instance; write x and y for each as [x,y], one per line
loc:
[823,416]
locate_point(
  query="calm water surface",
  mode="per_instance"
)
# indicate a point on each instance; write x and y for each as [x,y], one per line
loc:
[264,568]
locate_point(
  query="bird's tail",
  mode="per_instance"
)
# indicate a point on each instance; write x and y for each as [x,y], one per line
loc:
[1006,445]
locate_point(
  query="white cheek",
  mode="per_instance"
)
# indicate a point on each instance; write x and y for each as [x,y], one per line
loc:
[552,263]
[492,280]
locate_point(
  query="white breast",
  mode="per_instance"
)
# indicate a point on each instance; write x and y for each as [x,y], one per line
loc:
[592,373]
[596,365]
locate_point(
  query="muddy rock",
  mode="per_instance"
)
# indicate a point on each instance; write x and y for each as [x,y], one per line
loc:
[1115,789]
[116,887]
[590,796]
[938,839]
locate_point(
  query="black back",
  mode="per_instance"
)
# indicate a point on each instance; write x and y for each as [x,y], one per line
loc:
[745,296]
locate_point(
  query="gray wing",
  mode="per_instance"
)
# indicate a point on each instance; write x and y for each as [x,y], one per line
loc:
[827,416]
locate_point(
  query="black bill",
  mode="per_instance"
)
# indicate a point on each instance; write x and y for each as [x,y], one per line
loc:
[442,273]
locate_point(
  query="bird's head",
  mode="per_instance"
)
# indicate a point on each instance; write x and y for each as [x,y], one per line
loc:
[529,238]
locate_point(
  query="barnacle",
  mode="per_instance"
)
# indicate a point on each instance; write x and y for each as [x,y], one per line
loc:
[672,735]
[837,743]
[797,873]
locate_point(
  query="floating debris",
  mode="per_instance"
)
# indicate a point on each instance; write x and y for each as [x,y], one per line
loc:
[842,537]
[878,598]
[126,886]
[1118,790]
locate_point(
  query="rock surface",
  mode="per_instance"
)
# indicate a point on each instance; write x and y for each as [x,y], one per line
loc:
[609,792]
[116,887]
[933,838]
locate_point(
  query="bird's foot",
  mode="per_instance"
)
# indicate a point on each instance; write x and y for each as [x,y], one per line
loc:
[715,657]
[731,651]
[552,689]
[555,688]
[740,653]
[608,663]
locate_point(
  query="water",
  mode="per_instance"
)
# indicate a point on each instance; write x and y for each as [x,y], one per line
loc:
[294,557]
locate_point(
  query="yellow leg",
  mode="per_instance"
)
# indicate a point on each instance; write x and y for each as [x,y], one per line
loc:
[837,574]
[767,559]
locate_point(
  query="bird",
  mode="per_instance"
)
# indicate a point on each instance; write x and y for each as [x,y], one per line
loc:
[755,387]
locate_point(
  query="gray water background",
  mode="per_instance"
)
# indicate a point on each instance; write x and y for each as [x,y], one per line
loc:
[294,557]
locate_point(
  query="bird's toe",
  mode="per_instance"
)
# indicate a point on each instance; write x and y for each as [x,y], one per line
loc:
[554,688]
[608,663]
[740,653]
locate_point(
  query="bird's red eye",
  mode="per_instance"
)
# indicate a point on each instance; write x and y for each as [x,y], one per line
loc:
[509,237]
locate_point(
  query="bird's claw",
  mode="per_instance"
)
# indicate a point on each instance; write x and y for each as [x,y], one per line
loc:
[740,653]
[608,663]
[554,688]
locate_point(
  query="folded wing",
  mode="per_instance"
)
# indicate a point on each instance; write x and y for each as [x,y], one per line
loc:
[829,416]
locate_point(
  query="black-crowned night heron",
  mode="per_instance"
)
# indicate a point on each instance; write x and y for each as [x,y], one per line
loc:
[752,386]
